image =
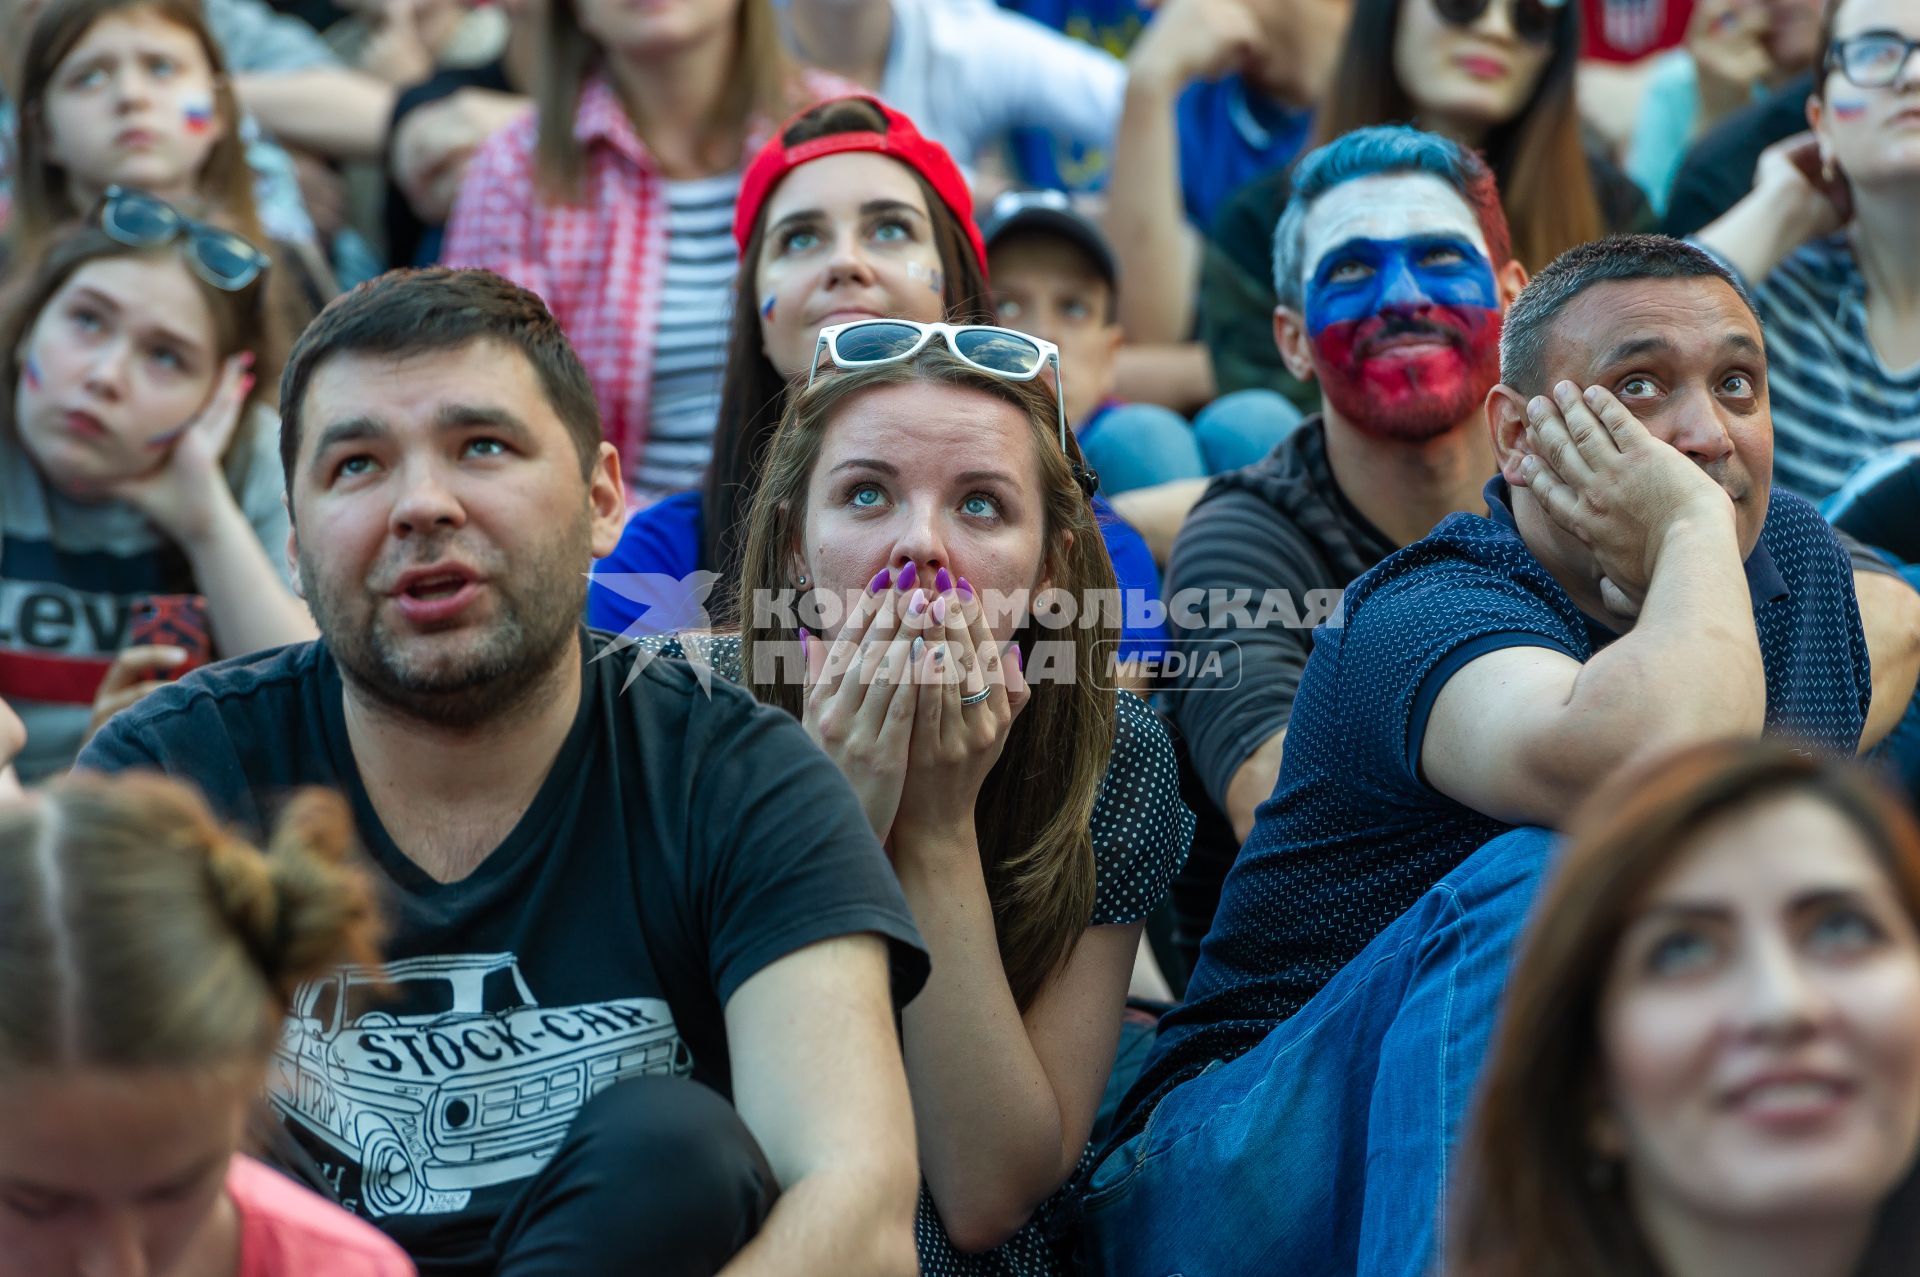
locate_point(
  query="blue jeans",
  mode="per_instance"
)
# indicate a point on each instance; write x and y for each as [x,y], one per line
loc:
[1326,1149]
[1138,445]
[1900,751]
[1239,429]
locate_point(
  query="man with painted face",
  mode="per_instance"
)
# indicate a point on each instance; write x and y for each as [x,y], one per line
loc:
[1634,587]
[1393,269]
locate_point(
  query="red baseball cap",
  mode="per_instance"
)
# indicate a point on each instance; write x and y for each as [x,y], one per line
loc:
[901,141]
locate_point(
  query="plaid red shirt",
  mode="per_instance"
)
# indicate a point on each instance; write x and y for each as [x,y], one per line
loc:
[597,264]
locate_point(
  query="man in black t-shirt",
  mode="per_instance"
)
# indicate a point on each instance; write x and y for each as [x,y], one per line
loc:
[646,952]
[1401,220]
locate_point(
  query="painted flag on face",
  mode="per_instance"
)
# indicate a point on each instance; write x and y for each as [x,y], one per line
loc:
[199,115]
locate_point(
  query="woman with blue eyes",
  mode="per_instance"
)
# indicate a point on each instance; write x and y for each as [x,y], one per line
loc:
[926,507]
[1828,244]
[849,213]
[1709,1061]
[140,481]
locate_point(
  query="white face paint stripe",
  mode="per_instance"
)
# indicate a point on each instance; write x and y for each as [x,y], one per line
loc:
[1386,206]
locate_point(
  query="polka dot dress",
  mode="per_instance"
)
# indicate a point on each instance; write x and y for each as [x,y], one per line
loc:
[1141,831]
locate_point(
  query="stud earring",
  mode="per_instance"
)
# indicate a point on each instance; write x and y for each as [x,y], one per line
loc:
[801,580]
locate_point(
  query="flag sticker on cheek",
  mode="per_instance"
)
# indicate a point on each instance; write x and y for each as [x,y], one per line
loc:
[199,115]
[935,279]
[766,307]
[30,372]
[1848,108]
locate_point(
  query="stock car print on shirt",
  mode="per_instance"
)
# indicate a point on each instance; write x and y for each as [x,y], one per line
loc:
[418,1084]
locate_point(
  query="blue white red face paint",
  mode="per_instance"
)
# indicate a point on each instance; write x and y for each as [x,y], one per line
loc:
[1848,108]
[766,308]
[1401,306]
[198,113]
[30,373]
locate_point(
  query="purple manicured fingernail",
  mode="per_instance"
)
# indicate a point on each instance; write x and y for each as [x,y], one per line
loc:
[939,609]
[804,652]
[917,604]
[1019,661]
[943,580]
[908,575]
[965,589]
[881,580]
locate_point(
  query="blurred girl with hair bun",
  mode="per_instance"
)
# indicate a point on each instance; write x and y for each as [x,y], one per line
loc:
[147,957]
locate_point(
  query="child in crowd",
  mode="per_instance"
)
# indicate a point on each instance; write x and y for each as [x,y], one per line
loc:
[1054,275]
[1709,1061]
[135,93]
[147,958]
[137,470]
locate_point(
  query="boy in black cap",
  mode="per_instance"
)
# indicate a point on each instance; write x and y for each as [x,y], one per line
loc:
[1054,276]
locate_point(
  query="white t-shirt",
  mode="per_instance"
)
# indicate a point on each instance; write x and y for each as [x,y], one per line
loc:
[968,71]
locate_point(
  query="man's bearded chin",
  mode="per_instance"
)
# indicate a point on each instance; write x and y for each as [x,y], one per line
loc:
[1414,395]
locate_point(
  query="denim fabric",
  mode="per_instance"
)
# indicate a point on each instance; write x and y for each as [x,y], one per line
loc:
[1138,445]
[1327,1148]
[1240,429]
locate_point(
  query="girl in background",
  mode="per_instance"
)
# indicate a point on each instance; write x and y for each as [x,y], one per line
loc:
[147,959]
[138,467]
[135,93]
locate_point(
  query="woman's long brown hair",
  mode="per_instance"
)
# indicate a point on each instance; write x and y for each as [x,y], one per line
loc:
[761,82]
[41,198]
[1546,185]
[1033,812]
[754,392]
[1531,1208]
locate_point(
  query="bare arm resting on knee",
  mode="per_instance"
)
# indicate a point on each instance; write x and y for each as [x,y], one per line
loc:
[818,1079]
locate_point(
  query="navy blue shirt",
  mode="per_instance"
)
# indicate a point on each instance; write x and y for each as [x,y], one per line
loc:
[1229,135]
[1354,835]
[664,539]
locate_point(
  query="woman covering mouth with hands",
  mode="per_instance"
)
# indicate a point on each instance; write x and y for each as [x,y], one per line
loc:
[924,507]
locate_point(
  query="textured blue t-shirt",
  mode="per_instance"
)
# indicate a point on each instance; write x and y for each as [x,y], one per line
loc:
[1353,834]
[664,539]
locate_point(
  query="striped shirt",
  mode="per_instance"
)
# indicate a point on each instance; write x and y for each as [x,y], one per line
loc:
[1835,401]
[690,347]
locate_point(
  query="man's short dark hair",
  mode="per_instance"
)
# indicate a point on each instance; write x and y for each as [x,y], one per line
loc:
[418,312]
[1529,322]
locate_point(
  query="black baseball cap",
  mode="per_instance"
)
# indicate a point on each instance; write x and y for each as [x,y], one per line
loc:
[1051,213]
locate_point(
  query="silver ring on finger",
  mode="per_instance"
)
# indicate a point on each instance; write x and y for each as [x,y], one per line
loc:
[978,696]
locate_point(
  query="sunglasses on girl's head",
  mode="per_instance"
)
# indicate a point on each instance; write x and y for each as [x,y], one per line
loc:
[1003,352]
[222,258]
[1533,20]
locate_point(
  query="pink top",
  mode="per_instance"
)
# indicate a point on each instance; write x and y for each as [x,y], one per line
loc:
[287,1231]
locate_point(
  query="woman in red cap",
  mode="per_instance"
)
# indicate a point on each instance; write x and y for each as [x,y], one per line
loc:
[612,199]
[848,214]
